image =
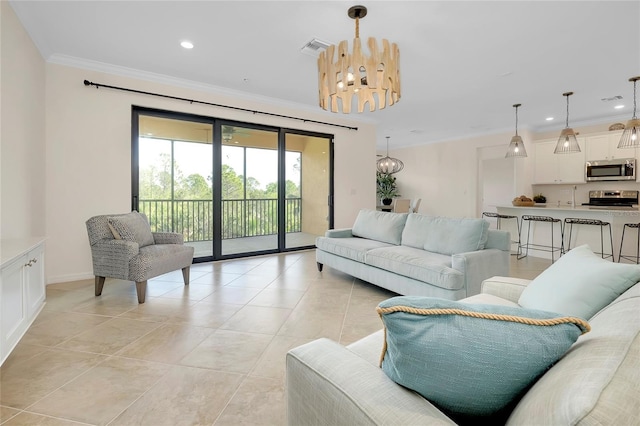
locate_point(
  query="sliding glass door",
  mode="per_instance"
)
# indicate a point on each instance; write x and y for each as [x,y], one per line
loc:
[231,189]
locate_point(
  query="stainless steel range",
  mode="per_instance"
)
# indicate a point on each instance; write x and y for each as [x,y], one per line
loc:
[612,199]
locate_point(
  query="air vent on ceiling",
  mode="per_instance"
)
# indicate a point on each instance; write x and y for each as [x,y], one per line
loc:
[314,47]
[613,98]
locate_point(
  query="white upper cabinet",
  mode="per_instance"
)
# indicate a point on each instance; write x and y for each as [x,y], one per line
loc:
[605,147]
[558,168]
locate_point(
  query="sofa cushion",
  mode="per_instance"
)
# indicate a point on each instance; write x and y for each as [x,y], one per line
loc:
[416,230]
[432,268]
[353,248]
[472,361]
[596,382]
[580,283]
[446,235]
[380,226]
[131,227]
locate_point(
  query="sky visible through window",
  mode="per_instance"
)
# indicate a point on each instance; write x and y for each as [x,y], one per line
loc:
[195,158]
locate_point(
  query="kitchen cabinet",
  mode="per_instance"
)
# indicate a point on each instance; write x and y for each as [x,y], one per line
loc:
[550,168]
[605,147]
[22,290]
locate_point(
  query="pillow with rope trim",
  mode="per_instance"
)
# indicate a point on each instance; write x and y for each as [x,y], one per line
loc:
[472,361]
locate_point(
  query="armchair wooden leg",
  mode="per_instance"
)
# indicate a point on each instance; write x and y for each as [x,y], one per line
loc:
[141,288]
[185,274]
[99,285]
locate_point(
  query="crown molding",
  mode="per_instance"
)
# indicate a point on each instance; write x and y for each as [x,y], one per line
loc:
[106,68]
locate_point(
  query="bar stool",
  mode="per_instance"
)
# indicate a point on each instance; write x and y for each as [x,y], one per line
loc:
[628,257]
[499,217]
[552,248]
[595,222]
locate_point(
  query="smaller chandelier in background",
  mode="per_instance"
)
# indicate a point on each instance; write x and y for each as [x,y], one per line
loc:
[567,142]
[516,146]
[631,136]
[388,165]
[343,75]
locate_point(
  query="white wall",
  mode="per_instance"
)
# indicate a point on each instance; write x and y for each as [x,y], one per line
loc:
[22,135]
[89,155]
[445,175]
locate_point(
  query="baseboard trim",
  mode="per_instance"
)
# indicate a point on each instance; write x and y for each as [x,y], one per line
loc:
[70,277]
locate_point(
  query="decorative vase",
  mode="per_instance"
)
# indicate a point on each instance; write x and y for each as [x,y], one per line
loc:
[387,201]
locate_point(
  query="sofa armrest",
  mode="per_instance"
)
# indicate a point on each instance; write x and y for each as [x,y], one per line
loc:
[339,233]
[326,384]
[111,258]
[479,265]
[505,287]
[168,238]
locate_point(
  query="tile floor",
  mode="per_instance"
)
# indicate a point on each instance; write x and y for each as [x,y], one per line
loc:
[209,353]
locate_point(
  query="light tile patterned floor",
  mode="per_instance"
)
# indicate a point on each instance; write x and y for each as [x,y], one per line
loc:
[209,353]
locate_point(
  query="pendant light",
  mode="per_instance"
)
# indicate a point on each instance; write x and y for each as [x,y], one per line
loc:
[516,147]
[344,75]
[388,165]
[567,142]
[631,136]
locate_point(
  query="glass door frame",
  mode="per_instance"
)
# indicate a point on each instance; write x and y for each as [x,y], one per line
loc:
[217,124]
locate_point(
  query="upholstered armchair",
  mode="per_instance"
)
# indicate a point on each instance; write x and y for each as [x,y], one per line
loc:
[123,246]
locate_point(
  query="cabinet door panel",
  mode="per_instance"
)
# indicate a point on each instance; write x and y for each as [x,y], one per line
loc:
[34,281]
[13,312]
[545,163]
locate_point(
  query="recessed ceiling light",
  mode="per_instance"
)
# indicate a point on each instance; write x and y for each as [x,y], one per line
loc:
[549,118]
[186,44]
[619,106]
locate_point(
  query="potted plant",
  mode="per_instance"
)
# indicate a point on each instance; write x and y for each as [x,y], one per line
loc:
[386,188]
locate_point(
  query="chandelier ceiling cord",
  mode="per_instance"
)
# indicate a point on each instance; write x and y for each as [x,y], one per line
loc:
[371,79]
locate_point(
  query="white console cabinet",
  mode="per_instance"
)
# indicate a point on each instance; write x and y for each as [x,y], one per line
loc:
[22,290]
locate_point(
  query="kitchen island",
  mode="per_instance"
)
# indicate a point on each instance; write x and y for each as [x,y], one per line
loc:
[581,234]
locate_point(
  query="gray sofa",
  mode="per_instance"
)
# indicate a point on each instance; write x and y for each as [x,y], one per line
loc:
[595,383]
[418,255]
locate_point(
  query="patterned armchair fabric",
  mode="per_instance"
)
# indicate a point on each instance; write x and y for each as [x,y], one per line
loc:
[128,259]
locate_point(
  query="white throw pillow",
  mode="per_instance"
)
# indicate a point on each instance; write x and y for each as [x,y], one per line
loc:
[580,283]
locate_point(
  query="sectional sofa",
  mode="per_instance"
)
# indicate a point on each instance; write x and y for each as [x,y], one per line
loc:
[593,382]
[415,254]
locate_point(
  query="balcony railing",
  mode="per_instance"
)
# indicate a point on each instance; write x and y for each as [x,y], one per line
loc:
[240,218]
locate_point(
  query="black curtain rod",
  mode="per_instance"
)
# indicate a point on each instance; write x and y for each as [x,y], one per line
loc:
[193,101]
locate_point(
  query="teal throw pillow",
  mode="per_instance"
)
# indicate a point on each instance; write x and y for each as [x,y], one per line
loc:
[473,361]
[580,283]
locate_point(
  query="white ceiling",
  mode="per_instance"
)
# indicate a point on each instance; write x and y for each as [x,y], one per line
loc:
[463,64]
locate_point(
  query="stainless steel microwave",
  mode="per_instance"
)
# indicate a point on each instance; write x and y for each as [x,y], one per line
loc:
[620,169]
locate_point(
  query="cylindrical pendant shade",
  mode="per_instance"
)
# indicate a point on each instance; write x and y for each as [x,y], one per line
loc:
[631,136]
[567,142]
[516,148]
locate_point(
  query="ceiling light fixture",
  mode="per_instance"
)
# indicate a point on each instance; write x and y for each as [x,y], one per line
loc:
[388,165]
[343,75]
[516,146]
[567,142]
[631,136]
[186,44]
